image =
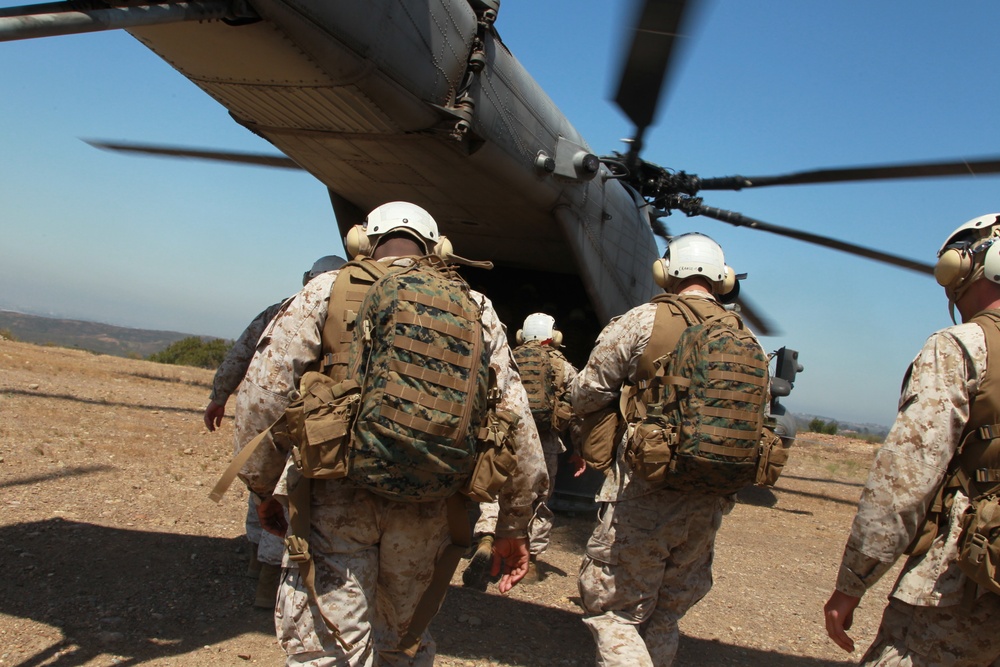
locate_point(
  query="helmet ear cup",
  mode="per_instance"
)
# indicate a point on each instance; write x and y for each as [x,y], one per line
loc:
[519,336]
[557,338]
[728,282]
[991,262]
[660,275]
[443,248]
[955,264]
[357,242]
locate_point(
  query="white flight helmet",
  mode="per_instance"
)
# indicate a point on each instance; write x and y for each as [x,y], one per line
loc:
[396,216]
[690,255]
[539,326]
[971,252]
[322,265]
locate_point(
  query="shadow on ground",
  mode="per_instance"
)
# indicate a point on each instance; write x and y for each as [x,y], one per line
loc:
[146,595]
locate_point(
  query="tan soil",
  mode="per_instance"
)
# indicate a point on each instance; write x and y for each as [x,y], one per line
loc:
[114,555]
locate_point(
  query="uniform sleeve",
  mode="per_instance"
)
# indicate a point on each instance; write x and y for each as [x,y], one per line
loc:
[294,340]
[530,479]
[232,369]
[933,412]
[612,361]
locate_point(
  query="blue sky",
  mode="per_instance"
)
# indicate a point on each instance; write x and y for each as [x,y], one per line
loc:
[766,87]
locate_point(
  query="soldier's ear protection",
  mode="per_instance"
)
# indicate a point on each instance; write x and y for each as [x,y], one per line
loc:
[723,288]
[957,261]
[557,337]
[357,243]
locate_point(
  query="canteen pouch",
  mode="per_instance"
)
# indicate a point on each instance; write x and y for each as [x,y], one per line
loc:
[651,449]
[773,457]
[599,433]
[319,425]
[496,459]
[979,544]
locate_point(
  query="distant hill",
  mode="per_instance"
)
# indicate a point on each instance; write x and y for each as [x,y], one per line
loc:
[91,336]
[880,430]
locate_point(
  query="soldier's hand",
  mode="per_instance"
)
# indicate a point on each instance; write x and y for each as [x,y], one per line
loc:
[510,559]
[272,517]
[579,465]
[213,415]
[839,613]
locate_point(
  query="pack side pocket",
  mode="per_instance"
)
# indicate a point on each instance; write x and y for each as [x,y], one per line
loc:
[772,457]
[324,425]
[562,414]
[495,461]
[651,448]
[599,433]
[979,545]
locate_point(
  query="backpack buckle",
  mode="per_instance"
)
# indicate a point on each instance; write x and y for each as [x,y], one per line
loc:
[988,432]
[298,549]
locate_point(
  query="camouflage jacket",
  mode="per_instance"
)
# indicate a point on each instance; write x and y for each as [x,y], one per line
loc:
[293,341]
[933,411]
[551,441]
[613,362]
[232,369]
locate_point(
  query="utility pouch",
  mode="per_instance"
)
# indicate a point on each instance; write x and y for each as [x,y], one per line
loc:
[319,425]
[599,433]
[495,461]
[562,413]
[979,544]
[772,458]
[937,514]
[651,447]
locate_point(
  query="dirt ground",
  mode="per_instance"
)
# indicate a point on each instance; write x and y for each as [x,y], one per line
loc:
[114,554]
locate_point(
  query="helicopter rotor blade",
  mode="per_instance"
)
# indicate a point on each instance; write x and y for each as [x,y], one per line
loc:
[962,167]
[740,220]
[762,325]
[647,61]
[258,159]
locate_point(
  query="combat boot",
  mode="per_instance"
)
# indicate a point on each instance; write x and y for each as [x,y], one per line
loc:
[533,576]
[267,586]
[477,573]
[253,565]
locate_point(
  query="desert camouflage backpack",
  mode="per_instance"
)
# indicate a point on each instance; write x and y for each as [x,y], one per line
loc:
[697,423]
[423,368]
[538,375]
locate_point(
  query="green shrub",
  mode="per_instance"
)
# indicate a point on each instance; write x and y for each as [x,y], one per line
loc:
[193,351]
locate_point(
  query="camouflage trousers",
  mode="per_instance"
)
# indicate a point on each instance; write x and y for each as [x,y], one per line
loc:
[953,636]
[648,561]
[373,559]
[540,526]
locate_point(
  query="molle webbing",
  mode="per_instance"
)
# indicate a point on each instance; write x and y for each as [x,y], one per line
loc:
[538,377]
[425,373]
[348,292]
[979,456]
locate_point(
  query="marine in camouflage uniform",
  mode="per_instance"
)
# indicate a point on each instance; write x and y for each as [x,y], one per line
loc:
[540,528]
[926,622]
[227,378]
[373,557]
[649,558]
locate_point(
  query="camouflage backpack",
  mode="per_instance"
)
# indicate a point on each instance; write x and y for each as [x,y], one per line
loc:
[541,373]
[698,421]
[423,368]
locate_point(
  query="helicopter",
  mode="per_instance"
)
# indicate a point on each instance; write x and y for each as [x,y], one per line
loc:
[585,283]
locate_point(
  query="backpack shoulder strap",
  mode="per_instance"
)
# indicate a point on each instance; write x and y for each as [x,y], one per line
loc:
[673,316]
[349,289]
